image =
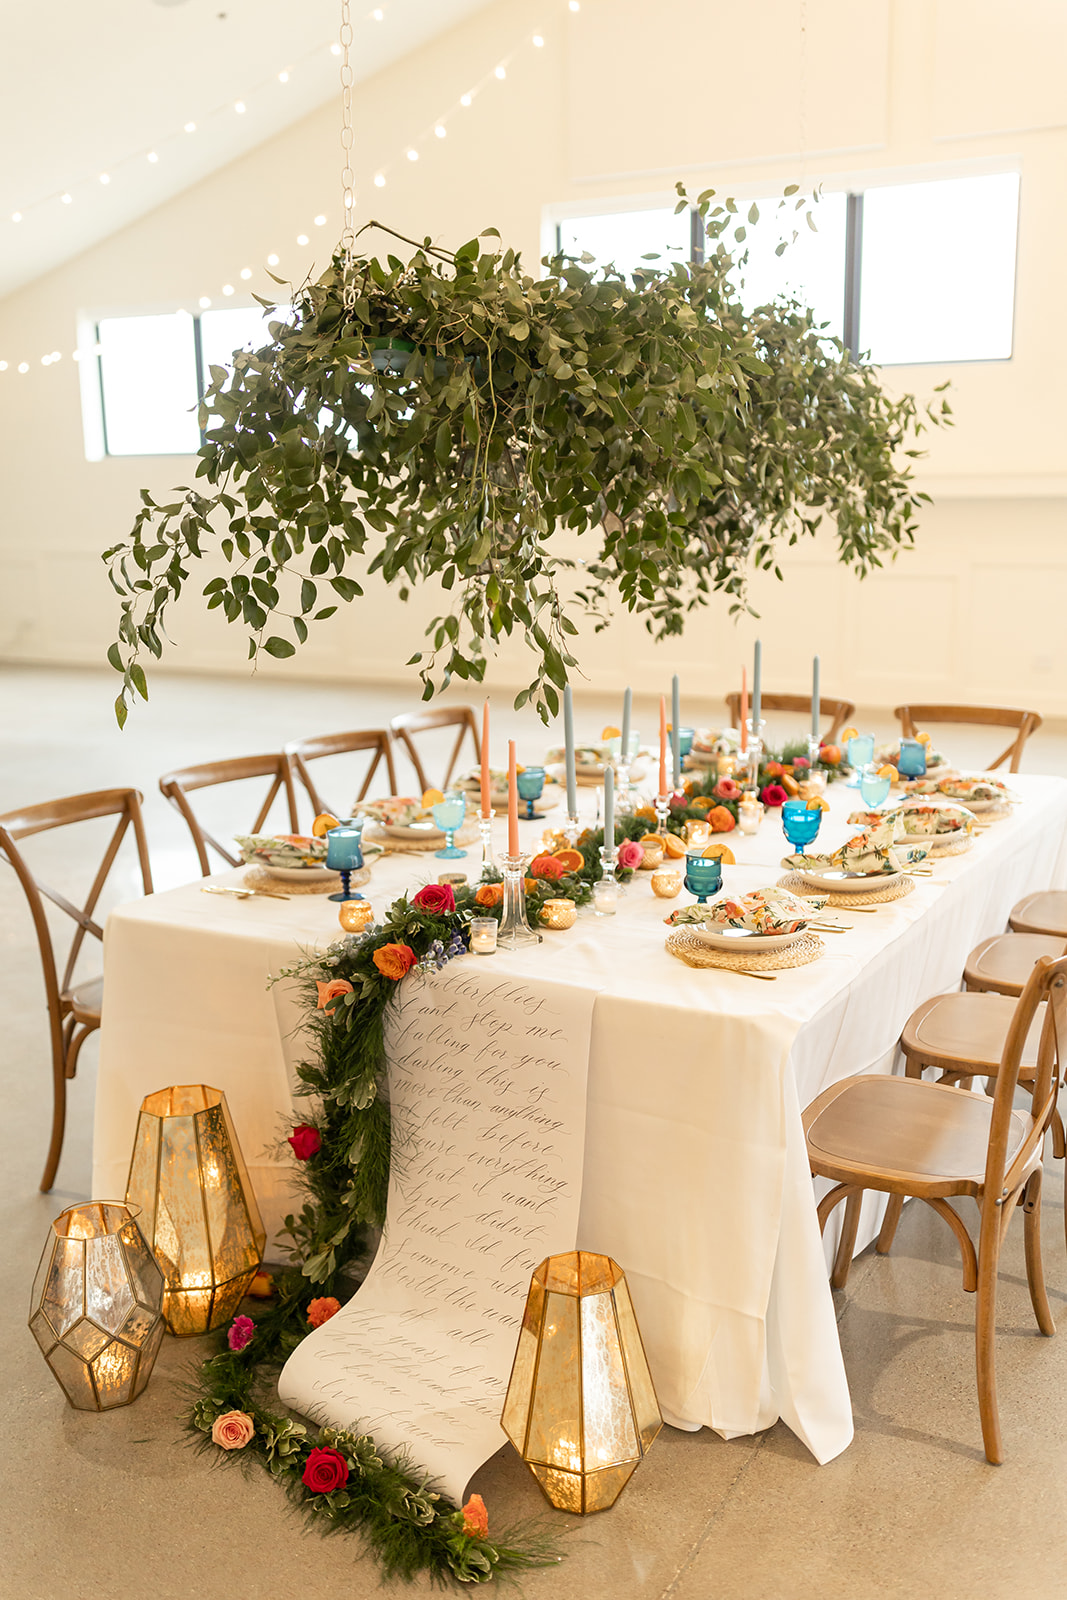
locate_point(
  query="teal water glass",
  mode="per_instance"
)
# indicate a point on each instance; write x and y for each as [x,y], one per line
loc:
[703,876]
[448,815]
[858,753]
[912,759]
[530,783]
[685,741]
[344,854]
[800,825]
[875,790]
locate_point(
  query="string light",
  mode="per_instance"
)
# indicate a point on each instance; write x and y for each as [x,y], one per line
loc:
[152,156]
[440,130]
[67,199]
[465,99]
[24,366]
[413,155]
[16,216]
[320,221]
[239,107]
[500,72]
[3,366]
[104,178]
[227,288]
[574,6]
[301,238]
[378,15]
[283,77]
[335,49]
[204,301]
[246,273]
[190,127]
[272,261]
[538,41]
[379,180]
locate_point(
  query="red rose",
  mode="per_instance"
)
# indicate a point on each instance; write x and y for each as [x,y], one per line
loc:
[774,795]
[305,1142]
[436,898]
[325,1470]
[547,867]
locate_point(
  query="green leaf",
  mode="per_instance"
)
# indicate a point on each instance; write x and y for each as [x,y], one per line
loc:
[279,647]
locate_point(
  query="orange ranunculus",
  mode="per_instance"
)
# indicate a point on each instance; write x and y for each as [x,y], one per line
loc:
[475,1518]
[773,769]
[394,960]
[489,894]
[332,991]
[721,820]
[320,1311]
[646,811]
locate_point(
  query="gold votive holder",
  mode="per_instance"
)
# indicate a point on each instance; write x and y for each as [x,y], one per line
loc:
[456,879]
[666,883]
[653,856]
[355,916]
[559,914]
[725,765]
[697,835]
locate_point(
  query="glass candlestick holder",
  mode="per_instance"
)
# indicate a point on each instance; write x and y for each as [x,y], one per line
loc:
[606,893]
[571,830]
[485,833]
[814,746]
[754,754]
[515,927]
[663,810]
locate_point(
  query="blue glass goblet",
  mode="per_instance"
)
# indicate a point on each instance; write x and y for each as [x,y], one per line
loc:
[448,815]
[531,783]
[873,788]
[344,854]
[912,759]
[858,752]
[703,876]
[799,824]
[685,741]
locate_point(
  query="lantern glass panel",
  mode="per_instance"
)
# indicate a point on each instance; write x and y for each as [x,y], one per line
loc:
[555,1435]
[114,1371]
[517,1404]
[607,1425]
[564,1489]
[643,1395]
[603,1488]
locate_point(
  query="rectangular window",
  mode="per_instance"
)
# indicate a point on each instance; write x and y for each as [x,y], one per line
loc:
[154,370]
[622,239]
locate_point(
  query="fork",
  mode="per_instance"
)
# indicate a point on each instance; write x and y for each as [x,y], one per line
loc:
[243,894]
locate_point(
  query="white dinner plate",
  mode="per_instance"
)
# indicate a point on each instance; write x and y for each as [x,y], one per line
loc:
[413,830]
[841,882]
[742,938]
[498,799]
[300,874]
[977,806]
[936,842]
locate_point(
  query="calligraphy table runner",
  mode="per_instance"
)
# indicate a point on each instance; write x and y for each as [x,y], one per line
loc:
[487,1084]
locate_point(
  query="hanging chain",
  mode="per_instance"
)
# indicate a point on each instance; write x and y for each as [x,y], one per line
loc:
[348,182]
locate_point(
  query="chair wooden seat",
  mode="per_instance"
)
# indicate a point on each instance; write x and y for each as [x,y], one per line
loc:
[86,1001]
[914,717]
[963,1032]
[1044,912]
[1003,963]
[933,1141]
[890,1128]
[839,711]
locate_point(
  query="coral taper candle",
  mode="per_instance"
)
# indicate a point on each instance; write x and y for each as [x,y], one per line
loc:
[663,744]
[568,753]
[676,732]
[815,698]
[513,802]
[744,711]
[487,795]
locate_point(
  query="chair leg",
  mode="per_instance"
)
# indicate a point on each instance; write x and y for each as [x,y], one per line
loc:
[887,1232]
[1035,1275]
[59,1123]
[985,1328]
[1058,1143]
[847,1242]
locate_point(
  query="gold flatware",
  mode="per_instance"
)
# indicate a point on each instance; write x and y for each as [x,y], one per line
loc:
[243,894]
[764,977]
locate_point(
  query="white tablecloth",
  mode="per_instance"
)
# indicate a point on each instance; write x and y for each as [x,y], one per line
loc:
[695,1173]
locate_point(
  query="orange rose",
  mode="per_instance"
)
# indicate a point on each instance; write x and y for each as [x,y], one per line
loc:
[233,1430]
[645,811]
[394,960]
[721,820]
[773,769]
[320,1311]
[545,866]
[331,991]
[489,894]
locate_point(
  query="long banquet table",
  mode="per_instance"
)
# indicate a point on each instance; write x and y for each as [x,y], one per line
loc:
[695,1177]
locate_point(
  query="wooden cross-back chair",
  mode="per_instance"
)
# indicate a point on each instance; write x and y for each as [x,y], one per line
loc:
[73,1008]
[839,711]
[936,1141]
[461,718]
[914,717]
[177,786]
[302,751]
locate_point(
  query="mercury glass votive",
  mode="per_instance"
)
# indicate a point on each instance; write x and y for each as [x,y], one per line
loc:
[199,1214]
[666,883]
[484,932]
[580,1408]
[355,915]
[559,914]
[96,1305]
[653,856]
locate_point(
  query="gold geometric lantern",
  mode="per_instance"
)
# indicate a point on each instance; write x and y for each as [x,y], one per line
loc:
[95,1309]
[580,1406]
[199,1213]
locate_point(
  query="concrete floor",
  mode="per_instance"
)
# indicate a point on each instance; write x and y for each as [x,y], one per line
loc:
[119,1506]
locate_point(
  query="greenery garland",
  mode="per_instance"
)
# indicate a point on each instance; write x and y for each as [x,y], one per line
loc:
[343,1481]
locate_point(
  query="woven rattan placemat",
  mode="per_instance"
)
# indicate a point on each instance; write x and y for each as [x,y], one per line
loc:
[257,878]
[695,953]
[468,834]
[842,898]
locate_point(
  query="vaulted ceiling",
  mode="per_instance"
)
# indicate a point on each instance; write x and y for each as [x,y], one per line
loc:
[91,92]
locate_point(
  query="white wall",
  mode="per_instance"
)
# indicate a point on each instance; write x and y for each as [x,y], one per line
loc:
[624,97]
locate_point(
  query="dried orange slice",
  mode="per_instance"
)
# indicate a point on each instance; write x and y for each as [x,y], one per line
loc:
[923,738]
[611,733]
[653,839]
[572,860]
[673,847]
[724,853]
[432,797]
[816,803]
[889,772]
[849,733]
[322,825]
[789,784]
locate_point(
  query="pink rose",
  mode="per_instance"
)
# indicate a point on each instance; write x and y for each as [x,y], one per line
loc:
[240,1333]
[436,898]
[332,991]
[475,1518]
[305,1141]
[325,1470]
[631,854]
[726,789]
[233,1430]
[800,761]
[320,1311]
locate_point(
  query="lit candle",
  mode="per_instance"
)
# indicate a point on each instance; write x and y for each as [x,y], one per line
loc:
[487,800]
[757,687]
[624,743]
[513,802]
[744,711]
[568,752]
[676,732]
[609,805]
[815,698]
[663,744]
[483,935]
